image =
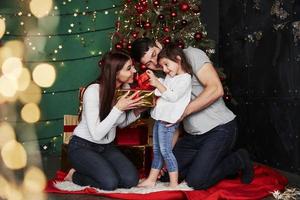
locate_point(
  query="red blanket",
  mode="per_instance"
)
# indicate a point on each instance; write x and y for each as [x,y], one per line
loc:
[266,181]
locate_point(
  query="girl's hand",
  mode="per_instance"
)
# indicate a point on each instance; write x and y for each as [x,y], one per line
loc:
[153,80]
[128,102]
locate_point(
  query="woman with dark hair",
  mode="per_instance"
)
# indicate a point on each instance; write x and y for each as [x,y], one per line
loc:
[95,159]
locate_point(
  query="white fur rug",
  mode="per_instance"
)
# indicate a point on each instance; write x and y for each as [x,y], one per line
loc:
[70,186]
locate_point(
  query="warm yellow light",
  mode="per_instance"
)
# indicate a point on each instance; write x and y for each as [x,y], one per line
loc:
[8,87]
[12,67]
[3,188]
[30,113]
[32,94]
[13,193]
[2,27]
[14,155]
[4,99]
[7,133]
[44,75]
[40,8]
[23,80]
[34,180]
[17,48]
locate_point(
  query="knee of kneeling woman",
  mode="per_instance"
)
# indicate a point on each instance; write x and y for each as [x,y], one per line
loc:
[110,184]
[130,180]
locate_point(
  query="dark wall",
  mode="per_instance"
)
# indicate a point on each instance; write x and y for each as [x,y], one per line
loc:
[260,51]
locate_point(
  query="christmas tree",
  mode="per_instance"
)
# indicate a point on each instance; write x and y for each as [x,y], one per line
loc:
[165,20]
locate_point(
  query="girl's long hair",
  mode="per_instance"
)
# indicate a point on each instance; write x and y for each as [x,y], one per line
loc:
[110,65]
[170,51]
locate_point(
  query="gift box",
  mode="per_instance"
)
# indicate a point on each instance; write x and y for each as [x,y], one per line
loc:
[70,123]
[148,97]
[134,134]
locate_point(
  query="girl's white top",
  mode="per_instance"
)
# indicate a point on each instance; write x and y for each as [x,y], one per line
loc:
[172,102]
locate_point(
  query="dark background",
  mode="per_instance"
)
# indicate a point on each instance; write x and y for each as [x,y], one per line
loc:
[258,47]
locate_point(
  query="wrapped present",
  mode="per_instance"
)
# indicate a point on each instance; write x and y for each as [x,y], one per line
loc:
[148,97]
[70,122]
[143,82]
[140,156]
[134,134]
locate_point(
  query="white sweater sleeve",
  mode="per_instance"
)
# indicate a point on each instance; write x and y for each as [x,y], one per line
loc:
[182,85]
[129,119]
[98,129]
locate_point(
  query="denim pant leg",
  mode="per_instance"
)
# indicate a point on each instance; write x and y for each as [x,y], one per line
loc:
[128,174]
[157,161]
[92,169]
[165,145]
[214,159]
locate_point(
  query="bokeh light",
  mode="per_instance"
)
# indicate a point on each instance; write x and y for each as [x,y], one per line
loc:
[14,155]
[8,87]
[44,75]
[32,94]
[30,113]
[34,180]
[40,8]
[2,27]
[24,79]
[7,133]
[13,193]
[4,187]
[16,47]
[12,67]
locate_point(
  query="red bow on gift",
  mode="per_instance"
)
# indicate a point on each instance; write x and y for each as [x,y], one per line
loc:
[143,82]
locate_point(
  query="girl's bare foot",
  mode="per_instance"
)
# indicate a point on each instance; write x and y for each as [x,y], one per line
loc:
[172,185]
[69,175]
[147,183]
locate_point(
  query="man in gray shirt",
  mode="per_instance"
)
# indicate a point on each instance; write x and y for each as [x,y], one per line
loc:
[204,155]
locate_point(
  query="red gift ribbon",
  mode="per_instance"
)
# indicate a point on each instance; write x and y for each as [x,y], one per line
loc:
[143,82]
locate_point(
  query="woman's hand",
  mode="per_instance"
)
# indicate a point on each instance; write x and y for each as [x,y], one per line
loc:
[153,80]
[128,102]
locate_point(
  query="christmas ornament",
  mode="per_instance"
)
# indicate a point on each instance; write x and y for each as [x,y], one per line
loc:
[173,14]
[174,1]
[183,22]
[147,25]
[184,6]
[197,36]
[134,34]
[119,46]
[156,3]
[166,29]
[161,17]
[166,40]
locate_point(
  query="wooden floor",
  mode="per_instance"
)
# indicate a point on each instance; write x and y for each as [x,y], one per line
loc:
[52,163]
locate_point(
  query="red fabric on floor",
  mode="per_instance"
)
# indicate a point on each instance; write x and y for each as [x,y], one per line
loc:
[266,181]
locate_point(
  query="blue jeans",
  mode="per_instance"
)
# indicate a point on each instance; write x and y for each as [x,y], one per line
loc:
[204,160]
[162,146]
[100,165]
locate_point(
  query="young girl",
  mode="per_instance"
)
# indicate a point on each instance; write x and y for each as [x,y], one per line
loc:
[175,94]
